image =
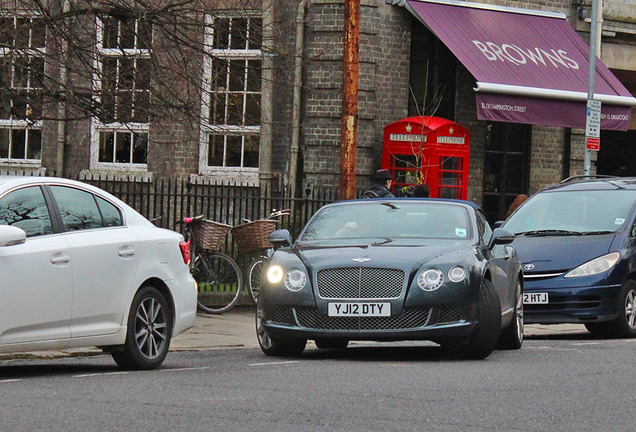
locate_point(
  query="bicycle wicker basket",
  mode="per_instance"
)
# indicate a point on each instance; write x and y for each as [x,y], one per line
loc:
[254,235]
[209,235]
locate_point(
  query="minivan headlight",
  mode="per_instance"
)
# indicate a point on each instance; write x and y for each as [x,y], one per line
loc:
[595,266]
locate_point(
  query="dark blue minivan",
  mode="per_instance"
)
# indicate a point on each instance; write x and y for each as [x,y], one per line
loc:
[577,244]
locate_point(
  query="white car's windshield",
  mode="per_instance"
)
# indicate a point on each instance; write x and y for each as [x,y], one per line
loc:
[573,212]
[393,219]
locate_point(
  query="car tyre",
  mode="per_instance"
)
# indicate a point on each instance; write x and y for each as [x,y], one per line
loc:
[149,332]
[625,325]
[485,336]
[278,347]
[331,343]
[511,337]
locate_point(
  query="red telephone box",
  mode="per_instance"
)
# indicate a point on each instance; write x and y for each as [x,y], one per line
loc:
[429,150]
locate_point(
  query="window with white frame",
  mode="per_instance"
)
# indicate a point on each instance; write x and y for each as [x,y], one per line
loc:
[22,51]
[120,131]
[231,108]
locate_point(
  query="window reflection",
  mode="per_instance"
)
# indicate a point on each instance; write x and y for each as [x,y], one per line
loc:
[26,209]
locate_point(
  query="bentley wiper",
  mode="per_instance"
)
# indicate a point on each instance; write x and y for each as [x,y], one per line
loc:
[596,232]
[549,232]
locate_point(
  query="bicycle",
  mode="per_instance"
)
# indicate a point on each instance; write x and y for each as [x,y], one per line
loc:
[219,278]
[252,238]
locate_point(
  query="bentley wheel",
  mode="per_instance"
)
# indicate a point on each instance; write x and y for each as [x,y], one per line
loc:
[486,333]
[511,337]
[278,347]
[331,343]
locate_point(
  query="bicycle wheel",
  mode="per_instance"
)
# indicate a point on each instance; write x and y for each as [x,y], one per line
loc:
[219,280]
[255,278]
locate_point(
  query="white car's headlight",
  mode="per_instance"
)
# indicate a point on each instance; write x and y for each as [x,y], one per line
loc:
[275,274]
[295,280]
[430,279]
[457,274]
[595,266]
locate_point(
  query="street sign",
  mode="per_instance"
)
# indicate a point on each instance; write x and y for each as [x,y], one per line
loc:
[593,143]
[593,125]
[593,121]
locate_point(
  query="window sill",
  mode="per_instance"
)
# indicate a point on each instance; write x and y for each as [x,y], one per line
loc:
[229,176]
[105,175]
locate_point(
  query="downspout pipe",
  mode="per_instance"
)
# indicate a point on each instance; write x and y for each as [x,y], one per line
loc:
[267,94]
[298,82]
[61,122]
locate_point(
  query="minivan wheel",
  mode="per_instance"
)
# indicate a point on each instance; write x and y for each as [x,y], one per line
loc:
[625,325]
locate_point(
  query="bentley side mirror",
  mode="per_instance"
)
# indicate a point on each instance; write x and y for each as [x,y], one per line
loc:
[501,236]
[280,238]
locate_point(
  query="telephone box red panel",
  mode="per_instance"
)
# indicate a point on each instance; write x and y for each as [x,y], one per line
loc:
[429,150]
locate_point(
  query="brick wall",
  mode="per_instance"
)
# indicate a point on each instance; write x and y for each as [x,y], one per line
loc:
[383,85]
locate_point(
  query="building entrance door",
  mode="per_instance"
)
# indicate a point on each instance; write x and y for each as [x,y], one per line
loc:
[506,166]
[617,155]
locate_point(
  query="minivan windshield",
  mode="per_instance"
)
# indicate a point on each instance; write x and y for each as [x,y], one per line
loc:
[573,213]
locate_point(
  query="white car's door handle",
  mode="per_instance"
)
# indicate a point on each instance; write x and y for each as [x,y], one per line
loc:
[127,251]
[60,258]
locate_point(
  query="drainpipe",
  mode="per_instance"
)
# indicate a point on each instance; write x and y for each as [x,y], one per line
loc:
[267,94]
[298,77]
[61,123]
[349,123]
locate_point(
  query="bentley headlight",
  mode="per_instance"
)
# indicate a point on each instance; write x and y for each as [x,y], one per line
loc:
[295,280]
[275,274]
[430,279]
[595,266]
[457,274]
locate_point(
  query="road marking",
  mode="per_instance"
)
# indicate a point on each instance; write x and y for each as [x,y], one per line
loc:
[185,369]
[99,374]
[587,343]
[10,380]
[274,363]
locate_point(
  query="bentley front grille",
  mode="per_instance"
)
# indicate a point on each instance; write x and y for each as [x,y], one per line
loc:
[410,318]
[360,283]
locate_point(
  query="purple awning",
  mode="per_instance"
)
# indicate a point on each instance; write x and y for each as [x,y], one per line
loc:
[530,67]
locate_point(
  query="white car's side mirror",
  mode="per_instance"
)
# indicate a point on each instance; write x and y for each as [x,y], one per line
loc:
[11,236]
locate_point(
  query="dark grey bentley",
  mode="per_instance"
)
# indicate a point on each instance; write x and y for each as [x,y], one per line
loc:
[399,269]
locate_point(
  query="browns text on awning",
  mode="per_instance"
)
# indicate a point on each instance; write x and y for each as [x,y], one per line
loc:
[530,66]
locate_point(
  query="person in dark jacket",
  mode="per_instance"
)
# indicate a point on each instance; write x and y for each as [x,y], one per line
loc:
[382,185]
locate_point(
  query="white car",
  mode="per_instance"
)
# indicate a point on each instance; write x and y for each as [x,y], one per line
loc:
[80,268]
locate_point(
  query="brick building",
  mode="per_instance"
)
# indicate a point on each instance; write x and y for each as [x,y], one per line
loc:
[263,79]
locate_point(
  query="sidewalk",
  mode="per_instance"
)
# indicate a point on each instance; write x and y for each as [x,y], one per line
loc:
[235,329]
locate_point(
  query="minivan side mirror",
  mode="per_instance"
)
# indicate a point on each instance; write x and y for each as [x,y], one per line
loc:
[11,236]
[280,238]
[501,236]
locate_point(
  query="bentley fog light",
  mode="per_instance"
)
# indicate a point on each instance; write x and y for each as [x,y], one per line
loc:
[430,279]
[595,266]
[275,274]
[295,280]
[457,274]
